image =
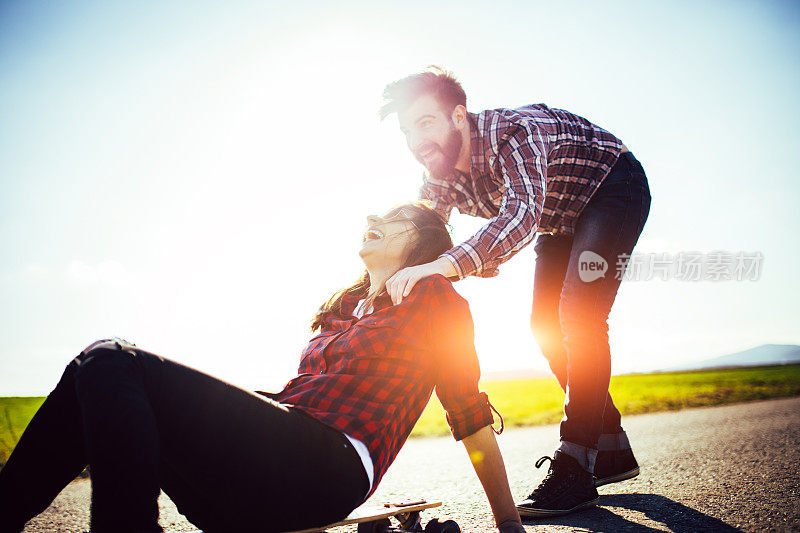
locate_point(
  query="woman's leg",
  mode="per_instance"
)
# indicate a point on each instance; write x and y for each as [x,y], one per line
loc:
[227,457]
[121,439]
[50,453]
[233,460]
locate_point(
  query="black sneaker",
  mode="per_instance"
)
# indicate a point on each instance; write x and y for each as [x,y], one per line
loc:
[567,487]
[615,465]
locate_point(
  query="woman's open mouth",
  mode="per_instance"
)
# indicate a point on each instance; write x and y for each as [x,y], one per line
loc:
[373,234]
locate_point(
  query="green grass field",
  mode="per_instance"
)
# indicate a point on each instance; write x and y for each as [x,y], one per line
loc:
[15,413]
[539,401]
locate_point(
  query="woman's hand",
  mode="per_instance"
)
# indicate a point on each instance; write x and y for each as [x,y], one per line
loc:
[400,284]
[511,526]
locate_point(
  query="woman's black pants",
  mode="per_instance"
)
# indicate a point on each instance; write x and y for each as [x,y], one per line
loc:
[230,459]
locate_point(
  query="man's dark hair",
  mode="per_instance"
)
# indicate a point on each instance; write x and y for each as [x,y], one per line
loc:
[435,81]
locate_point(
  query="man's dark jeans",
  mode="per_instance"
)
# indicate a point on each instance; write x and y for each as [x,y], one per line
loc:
[571,308]
[231,460]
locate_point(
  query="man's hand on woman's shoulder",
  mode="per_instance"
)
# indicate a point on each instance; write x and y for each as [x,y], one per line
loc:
[400,284]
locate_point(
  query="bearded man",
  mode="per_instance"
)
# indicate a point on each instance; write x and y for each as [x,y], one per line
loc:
[538,170]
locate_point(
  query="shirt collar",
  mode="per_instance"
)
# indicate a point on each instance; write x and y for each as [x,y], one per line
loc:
[350,300]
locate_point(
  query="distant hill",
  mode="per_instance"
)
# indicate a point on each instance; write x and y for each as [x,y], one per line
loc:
[766,354]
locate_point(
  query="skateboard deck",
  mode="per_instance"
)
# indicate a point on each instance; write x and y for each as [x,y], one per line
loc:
[405,512]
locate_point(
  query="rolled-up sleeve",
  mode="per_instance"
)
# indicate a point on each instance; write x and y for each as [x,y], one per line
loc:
[469,415]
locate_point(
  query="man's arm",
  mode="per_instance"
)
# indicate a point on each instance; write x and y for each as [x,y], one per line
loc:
[488,463]
[521,165]
[400,284]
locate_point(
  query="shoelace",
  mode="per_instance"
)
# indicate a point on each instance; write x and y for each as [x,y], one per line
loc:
[547,478]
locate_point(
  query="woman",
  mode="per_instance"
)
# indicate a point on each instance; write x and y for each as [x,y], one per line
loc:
[232,460]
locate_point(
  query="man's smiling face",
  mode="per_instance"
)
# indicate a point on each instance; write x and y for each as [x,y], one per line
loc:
[431,136]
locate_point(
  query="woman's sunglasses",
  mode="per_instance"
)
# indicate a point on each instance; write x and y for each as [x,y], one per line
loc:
[400,215]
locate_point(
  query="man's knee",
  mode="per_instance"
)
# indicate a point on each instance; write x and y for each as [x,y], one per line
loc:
[589,328]
[550,339]
[545,331]
[580,319]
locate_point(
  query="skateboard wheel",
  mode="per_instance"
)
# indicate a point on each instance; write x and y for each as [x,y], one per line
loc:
[448,526]
[409,521]
[376,526]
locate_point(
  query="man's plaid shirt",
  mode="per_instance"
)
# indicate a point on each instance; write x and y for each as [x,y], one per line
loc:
[372,377]
[532,169]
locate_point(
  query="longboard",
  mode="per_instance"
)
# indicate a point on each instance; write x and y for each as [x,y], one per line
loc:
[375,518]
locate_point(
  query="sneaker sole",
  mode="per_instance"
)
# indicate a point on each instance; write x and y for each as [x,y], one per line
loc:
[619,477]
[528,512]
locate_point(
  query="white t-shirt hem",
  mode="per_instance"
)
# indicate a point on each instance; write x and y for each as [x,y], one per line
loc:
[366,460]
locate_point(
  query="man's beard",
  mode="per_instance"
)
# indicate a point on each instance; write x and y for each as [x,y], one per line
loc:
[452,147]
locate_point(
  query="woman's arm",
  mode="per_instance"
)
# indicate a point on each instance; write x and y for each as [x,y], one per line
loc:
[488,463]
[452,341]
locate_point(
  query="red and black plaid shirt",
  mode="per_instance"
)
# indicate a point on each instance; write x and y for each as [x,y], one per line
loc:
[372,377]
[532,169]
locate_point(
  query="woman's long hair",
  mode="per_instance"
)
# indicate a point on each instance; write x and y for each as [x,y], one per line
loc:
[431,240]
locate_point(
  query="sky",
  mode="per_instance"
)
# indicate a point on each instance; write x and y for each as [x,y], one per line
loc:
[194,177]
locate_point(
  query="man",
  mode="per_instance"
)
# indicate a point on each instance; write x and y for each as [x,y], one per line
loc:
[538,170]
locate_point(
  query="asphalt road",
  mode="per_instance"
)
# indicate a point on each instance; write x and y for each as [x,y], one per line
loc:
[713,469]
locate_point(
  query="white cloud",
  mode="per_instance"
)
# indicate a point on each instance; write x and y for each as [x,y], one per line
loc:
[105,272]
[36,272]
